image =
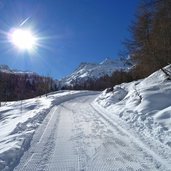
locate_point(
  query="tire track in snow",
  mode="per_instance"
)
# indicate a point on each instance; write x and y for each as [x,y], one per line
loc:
[64,156]
[91,160]
[40,151]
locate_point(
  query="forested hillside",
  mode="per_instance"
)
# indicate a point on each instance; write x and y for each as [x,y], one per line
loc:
[19,86]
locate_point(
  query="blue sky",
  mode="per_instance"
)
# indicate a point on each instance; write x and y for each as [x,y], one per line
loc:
[72,31]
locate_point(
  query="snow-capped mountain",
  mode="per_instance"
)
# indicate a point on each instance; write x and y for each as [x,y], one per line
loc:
[7,69]
[93,71]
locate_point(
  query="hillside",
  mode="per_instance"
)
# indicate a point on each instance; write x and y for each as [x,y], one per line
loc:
[17,85]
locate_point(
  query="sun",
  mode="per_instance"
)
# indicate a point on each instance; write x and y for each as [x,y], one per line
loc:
[23,39]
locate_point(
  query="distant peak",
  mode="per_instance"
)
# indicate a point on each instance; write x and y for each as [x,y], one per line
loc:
[4,67]
[83,63]
[107,61]
[7,69]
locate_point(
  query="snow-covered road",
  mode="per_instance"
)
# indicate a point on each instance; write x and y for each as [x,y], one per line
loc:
[76,136]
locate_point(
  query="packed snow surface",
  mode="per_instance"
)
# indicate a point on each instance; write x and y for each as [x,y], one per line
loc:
[18,122]
[78,135]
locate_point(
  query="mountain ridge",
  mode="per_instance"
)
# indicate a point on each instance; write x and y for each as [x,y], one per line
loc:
[6,69]
[86,71]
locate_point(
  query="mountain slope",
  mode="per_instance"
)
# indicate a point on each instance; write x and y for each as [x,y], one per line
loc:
[17,84]
[92,71]
[7,69]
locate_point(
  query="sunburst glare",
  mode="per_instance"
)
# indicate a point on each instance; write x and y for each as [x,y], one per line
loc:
[23,39]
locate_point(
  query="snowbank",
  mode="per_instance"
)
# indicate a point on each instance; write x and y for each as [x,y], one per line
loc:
[144,104]
[19,120]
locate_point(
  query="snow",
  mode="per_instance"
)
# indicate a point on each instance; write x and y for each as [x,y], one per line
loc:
[18,122]
[127,128]
[79,135]
[145,106]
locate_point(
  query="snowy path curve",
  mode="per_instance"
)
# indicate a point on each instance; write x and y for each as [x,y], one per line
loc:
[78,137]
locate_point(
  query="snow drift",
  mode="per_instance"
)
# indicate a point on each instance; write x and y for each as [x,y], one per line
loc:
[144,104]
